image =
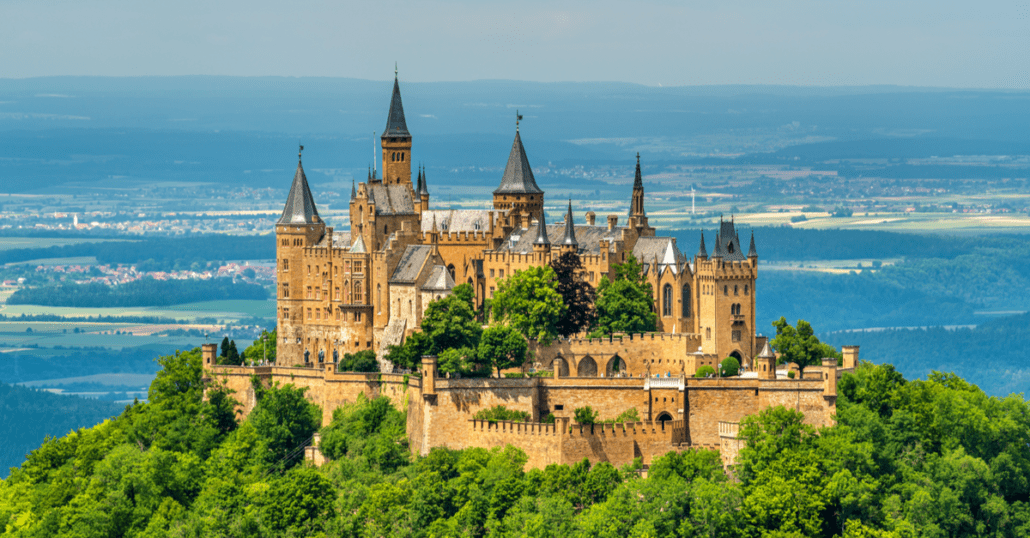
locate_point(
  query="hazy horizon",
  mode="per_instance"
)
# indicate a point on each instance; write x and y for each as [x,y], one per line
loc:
[804,44]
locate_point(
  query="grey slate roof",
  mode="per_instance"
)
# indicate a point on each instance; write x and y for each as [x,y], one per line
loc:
[702,252]
[391,199]
[423,188]
[638,181]
[395,124]
[589,237]
[752,251]
[412,261]
[439,279]
[518,176]
[729,243]
[300,205]
[664,248]
[766,352]
[457,220]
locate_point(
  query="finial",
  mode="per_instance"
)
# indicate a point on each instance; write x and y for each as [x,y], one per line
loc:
[638,158]
[518,118]
[299,152]
[394,69]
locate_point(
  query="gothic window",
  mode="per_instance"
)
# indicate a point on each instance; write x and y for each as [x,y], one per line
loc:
[729,246]
[745,289]
[725,290]
[309,270]
[286,290]
[736,290]
[309,292]
[667,300]
[337,293]
[357,266]
[708,333]
[685,297]
[357,292]
[286,264]
[309,313]
[386,230]
[318,292]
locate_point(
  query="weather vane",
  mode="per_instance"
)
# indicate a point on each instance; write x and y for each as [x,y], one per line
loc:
[300,151]
[518,118]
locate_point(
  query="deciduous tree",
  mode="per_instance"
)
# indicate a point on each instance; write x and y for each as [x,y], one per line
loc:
[625,303]
[529,302]
[577,294]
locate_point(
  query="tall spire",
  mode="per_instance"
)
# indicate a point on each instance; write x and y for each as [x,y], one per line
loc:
[353,190]
[541,232]
[423,185]
[636,206]
[752,252]
[717,252]
[395,124]
[702,252]
[300,205]
[570,229]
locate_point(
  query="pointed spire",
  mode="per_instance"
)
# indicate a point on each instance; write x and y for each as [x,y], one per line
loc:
[434,222]
[424,186]
[702,252]
[395,124]
[638,182]
[717,252]
[767,352]
[752,252]
[369,174]
[570,229]
[518,176]
[353,190]
[300,205]
[541,232]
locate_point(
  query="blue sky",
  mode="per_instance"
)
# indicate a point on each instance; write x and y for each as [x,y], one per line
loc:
[971,44]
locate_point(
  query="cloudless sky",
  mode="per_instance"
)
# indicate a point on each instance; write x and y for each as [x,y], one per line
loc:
[968,43]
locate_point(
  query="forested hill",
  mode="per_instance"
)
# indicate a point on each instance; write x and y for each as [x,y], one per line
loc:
[27,416]
[907,458]
[143,292]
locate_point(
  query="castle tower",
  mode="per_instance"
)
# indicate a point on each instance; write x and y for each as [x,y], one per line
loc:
[298,228]
[396,142]
[568,242]
[518,193]
[637,215]
[765,363]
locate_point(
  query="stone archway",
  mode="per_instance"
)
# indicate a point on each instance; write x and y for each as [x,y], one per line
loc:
[587,367]
[664,417]
[615,367]
[563,369]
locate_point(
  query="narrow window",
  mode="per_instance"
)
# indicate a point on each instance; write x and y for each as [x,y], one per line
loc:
[745,289]
[685,298]
[736,290]
[725,290]
[667,300]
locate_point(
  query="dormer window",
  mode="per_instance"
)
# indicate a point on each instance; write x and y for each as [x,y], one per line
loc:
[729,247]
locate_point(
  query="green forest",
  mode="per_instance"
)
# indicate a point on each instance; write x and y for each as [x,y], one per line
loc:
[28,415]
[936,458]
[143,292]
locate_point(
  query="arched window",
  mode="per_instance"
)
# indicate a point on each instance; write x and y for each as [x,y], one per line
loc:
[725,290]
[667,300]
[357,292]
[402,156]
[386,230]
[685,297]
[736,290]
[450,269]
[745,289]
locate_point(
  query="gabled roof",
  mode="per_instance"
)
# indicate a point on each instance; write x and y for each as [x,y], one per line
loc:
[518,176]
[439,279]
[358,246]
[589,238]
[395,124]
[729,243]
[391,199]
[647,248]
[410,266]
[300,205]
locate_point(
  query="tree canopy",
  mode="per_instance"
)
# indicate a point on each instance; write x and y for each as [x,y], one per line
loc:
[529,302]
[502,347]
[800,345]
[625,303]
[577,294]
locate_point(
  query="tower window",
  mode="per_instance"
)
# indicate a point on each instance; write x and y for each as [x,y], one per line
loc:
[685,300]
[745,289]
[667,300]
[725,290]
[736,290]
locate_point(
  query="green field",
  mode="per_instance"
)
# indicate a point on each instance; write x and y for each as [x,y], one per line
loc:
[114,380]
[14,335]
[223,310]
[10,243]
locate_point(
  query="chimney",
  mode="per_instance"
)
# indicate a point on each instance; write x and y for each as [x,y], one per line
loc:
[591,218]
[613,221]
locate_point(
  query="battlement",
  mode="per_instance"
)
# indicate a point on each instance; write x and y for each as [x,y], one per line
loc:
[514,428]
[630,337]
[649,430]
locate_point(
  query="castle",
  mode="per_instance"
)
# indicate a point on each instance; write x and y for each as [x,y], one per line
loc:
[366,289]
[341,292]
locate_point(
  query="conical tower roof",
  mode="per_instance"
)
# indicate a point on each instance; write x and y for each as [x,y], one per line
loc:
[423,187]
[570,229]
[717,252]
[703,251]
[638,181]
[752,252]
[766,352]
[395,124]
[300,205]
[541,232]
[518,176]
[353,190]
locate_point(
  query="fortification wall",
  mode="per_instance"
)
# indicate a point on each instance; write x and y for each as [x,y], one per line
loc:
[661,352]
[456,400]
[541,442]
[609,397]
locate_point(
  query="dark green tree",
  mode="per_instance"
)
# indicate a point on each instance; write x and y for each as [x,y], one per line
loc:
[625,303]
[800,345]
[529,302]
[450,322]
[585,415]
[577,294]
[225,347]
[729,367]
[502,347]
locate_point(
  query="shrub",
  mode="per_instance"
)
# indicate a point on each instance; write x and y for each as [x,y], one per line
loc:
[629,415]
[730,367]
[499,412]
[585,415]
[704,371]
